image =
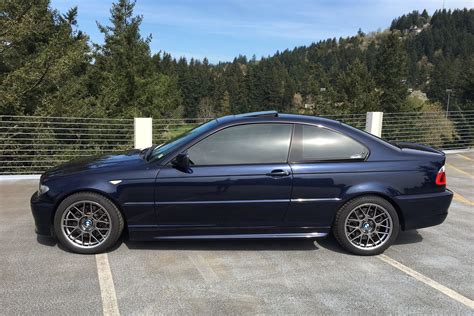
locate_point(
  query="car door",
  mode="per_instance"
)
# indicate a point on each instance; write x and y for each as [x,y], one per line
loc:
[325,164]
[239,176]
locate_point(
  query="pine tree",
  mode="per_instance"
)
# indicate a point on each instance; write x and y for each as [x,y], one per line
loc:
[391,73]
[46,68]
[126,83]
[358,90]
[43,60]
[225,108]
[466,85]
[235,83]
[254,87]
[425,15]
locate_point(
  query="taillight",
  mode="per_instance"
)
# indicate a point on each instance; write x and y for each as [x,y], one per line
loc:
[441,177]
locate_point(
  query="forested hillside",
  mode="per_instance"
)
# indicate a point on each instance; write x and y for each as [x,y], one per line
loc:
[49,67]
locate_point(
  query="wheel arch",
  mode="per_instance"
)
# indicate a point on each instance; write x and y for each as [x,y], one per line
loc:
[384,196]
[89,190]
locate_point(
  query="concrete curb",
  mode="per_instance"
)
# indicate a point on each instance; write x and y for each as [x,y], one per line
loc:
[20,177]
[458,151]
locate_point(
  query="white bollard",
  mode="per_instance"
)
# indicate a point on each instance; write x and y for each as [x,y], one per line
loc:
[143,132]
[373,123]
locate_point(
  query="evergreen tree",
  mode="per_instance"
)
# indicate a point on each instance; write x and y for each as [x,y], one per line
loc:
[235,83]
[254,87]
[391,73]
[466,85]
[446,75]
[46,68]
[425,15]
[225,108]
[357,89]
[126,84]
[43,60]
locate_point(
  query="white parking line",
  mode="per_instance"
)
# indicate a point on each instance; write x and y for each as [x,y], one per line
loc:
[420,277]
[204,268]
[460,198]
[459,170]
[465,157]
[106,282]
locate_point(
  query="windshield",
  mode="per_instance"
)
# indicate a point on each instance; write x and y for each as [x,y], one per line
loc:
[164,149]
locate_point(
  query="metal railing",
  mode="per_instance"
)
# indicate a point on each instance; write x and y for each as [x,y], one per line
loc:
[165,129]
[355,120]
[32,144]
[446,131]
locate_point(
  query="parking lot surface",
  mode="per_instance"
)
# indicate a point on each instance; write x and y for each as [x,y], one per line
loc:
[427,271]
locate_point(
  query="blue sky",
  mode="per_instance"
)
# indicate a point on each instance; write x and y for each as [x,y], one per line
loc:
[221,30]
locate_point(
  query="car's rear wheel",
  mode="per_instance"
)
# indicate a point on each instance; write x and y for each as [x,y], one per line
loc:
[366,225]
[88,222]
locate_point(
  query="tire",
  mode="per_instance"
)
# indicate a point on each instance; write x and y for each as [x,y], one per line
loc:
[368,233]
[88,223]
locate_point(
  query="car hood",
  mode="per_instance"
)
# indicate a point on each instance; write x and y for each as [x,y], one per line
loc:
[104,163]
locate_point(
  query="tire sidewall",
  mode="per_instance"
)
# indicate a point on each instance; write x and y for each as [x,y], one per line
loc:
[343,213]
[115,219]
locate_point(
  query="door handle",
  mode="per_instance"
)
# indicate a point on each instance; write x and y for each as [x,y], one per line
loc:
[278,173]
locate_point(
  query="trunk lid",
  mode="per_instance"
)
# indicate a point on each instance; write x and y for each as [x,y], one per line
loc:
[415,146]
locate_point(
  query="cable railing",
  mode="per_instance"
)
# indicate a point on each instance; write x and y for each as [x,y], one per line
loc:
[166,129]
[355,120]
[446,131]
[33,144]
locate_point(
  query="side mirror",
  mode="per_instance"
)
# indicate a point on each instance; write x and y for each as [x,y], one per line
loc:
[181,161]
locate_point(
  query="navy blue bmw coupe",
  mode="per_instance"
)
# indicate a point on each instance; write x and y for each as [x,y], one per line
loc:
[255,175]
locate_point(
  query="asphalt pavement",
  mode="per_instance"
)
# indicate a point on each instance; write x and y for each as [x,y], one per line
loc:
[429,270]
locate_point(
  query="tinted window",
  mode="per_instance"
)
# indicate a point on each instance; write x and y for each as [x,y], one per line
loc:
[167,147]
[244,144]
[319,143]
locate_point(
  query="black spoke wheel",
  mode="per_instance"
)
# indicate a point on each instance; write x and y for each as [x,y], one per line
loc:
[88,222]
[366,225]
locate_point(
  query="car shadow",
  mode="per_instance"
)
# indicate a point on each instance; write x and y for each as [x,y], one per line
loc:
[330,243]
[404,238]
[311,244]
[46,241]
[50,241]
[226,245]
[408,237]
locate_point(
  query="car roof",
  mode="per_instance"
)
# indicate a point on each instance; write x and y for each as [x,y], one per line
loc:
[274,116]
[376,146]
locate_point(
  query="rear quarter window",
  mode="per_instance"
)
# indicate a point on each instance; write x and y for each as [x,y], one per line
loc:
[315,143]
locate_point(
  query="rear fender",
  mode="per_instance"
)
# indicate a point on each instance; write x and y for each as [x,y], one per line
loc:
[378,189]
[369,188]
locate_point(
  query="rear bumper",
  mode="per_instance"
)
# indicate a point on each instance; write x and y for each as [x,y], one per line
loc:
[424,210]
[43,215]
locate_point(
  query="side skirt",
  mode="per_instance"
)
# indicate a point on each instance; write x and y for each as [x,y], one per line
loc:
[246,236]
[153,232]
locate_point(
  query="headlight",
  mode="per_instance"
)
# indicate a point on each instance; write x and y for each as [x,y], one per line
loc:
[42,189]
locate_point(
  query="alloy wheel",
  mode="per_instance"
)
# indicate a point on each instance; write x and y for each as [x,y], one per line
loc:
[86,224]
[368,226]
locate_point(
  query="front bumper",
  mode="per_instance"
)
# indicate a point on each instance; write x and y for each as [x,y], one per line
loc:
[424,210]
[42,211]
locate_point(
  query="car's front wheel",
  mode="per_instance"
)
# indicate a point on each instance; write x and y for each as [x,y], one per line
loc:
[366,225]
[88,222]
